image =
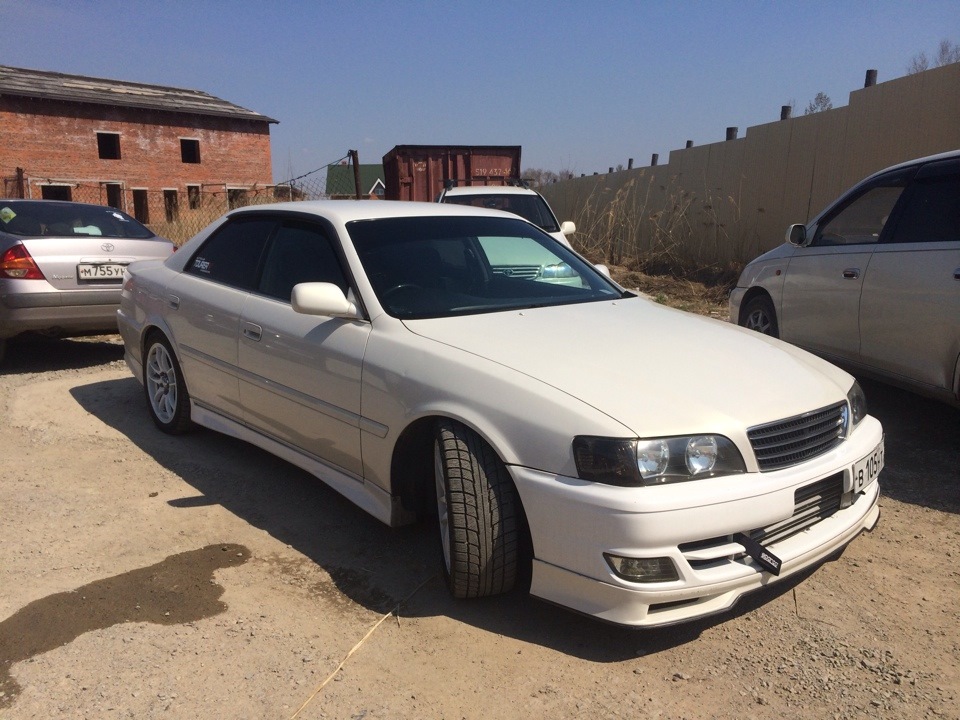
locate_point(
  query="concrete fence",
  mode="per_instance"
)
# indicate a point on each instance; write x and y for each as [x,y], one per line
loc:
[727,202]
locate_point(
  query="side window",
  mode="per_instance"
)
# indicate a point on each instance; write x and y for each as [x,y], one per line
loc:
[232,255]
[299,252]
[931,212]
[861,220]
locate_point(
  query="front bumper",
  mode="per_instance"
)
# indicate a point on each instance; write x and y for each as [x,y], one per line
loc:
[736,299]
[573,523]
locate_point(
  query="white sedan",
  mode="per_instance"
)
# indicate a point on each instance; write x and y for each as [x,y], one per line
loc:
[629,461]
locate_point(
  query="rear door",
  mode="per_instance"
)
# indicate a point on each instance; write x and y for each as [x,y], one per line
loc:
[206,302]
[821,290]
[910,308]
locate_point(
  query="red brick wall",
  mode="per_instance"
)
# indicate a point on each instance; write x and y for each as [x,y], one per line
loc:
[58,141]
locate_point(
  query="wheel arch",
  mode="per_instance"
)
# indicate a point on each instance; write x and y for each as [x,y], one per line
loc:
[750,294]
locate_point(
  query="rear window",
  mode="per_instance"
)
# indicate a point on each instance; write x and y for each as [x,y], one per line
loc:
[38,219]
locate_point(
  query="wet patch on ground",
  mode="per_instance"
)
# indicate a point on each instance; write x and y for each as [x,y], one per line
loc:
[178,590]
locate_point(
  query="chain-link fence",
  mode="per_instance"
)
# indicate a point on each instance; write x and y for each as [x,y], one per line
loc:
[179,215]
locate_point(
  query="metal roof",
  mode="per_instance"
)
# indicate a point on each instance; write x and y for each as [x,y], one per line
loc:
[102,91]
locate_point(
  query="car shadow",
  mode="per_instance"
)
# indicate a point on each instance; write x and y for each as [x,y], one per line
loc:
[35,353]
[920,439]
[377,567]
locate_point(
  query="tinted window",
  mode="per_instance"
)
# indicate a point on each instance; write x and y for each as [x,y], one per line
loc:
[54,219]
[232,255]
[530,207]
[424,267]
[862,219]
[299,252]
[931,212]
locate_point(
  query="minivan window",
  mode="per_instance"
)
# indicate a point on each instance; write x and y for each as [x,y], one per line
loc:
[862,220]
[931,212]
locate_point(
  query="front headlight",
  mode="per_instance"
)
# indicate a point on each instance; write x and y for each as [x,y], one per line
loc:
[655,461]
[557,271]
[856,409]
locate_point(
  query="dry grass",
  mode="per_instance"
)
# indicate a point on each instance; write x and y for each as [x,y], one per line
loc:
[702,297]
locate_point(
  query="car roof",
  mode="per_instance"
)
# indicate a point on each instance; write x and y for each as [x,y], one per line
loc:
[62,203]
[490,190]
[918,161]
[345,211]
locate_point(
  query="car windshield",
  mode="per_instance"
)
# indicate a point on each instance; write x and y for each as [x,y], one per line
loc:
[530,207]
[427,267]
[38,219]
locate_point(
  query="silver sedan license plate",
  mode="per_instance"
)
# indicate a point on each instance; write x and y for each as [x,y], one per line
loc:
[100,271]
[865,471]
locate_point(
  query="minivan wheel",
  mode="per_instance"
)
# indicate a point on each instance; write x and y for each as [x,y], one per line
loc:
[163,385]
[478,513]
[759,315]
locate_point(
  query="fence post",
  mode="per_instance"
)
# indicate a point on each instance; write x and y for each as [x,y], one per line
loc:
[19,189]
[629,163]
[732,133]
[354,159]
[689,143]
[871,79]
[786,111]
[654,159]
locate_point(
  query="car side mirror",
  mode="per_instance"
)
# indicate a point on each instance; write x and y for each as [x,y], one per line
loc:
[320,298]
[568,228]
[797,235]
[604,270]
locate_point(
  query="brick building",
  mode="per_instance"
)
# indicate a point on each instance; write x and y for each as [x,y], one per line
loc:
[156,152]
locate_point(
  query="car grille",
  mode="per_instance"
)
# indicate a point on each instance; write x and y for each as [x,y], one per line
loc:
[811,504]
[790,442]
[525,272]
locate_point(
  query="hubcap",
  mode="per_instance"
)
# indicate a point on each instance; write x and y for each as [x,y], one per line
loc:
[161,383]
[758,320]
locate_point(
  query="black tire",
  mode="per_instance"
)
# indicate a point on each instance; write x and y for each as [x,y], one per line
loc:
[164,387]
[3,349]
[758,314]
[478,512]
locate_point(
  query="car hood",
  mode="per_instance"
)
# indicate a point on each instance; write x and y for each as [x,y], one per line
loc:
[653,369]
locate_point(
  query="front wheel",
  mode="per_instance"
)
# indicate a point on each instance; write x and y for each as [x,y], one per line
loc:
[163,384]
[478,513]
[758,314]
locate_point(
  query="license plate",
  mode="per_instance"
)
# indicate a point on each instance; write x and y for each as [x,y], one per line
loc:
[865,471]
[100,271]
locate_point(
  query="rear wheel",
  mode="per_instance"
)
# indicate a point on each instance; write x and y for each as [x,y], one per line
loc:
[163,384]
[478,513]
[758,314]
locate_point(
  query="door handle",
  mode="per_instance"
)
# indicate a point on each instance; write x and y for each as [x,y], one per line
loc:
[956,274]
[851,273]
[253,332]
[173,301]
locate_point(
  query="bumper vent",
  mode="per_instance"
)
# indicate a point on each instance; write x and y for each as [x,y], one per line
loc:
[790,442]
[811,504]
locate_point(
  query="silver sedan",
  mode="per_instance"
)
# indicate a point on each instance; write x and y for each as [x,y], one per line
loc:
[62,264]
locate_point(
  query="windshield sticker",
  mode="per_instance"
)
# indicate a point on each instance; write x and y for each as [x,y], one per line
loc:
[202,265]
[6,214]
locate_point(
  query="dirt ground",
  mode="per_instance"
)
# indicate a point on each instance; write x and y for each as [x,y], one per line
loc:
[144,576]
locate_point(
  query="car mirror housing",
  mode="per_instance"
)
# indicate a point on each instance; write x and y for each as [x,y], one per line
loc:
[320,298]
[568,228]
[797,235]
[604,270]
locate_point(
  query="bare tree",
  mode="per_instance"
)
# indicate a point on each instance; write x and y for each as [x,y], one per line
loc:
[820,103]
[947,53]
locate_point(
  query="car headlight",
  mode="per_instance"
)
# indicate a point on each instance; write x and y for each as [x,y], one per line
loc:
[655,461]
[555,272]
[856,409]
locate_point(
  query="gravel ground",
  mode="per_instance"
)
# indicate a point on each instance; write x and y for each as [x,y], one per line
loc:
[145,576]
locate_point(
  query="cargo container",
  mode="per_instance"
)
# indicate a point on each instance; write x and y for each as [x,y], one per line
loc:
[418,172]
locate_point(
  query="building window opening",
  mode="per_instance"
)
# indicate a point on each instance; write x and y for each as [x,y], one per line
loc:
[56,192]
[108,145]
[236,197]
[141,208]
[190,150]
[193,196]
[171,205]
[114,195]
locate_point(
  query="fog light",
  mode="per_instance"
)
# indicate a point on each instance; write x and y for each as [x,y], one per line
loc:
[646,570]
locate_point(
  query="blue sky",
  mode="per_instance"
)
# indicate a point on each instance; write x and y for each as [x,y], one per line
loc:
[581,86]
